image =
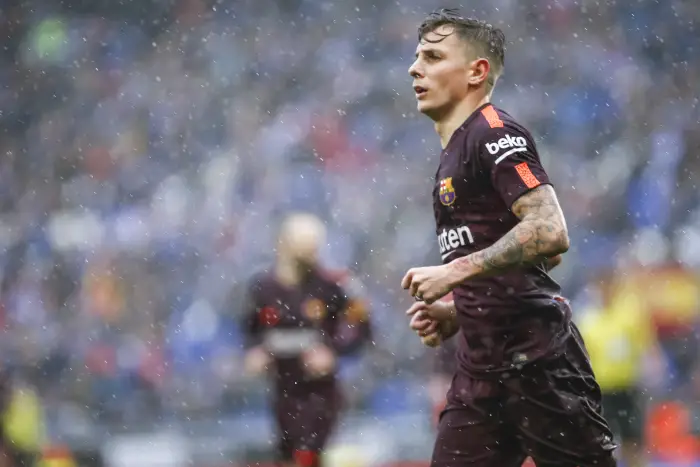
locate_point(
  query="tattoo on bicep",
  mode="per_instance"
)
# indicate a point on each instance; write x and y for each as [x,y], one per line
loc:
[540,233]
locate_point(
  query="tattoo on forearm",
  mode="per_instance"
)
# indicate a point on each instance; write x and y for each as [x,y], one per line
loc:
[540,234]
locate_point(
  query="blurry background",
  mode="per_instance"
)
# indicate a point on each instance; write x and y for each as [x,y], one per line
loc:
[149,147]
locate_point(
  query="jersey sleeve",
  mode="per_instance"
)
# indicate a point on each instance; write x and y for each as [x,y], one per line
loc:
[349,328]
[509,155]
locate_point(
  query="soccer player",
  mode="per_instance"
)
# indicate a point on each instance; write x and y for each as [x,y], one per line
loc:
[298,321]
[523,385]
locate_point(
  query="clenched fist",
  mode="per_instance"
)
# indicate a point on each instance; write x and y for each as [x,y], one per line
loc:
[429,283]
[433,322]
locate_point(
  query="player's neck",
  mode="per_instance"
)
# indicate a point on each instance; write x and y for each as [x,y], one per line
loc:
[287,272]
[445,127]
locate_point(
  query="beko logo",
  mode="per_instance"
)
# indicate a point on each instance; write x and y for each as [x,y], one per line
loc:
[508,142]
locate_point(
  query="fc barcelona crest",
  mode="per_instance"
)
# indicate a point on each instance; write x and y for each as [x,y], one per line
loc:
[356,311]
[447,191]
[315,309]
[269,316]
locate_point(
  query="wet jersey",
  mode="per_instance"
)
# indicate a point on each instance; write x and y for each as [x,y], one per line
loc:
[518,316]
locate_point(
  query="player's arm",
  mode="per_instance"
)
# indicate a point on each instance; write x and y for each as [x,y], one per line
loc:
[446,329]
[449,328]
[541,234]
[509,157]
[257,359]
[435,323]
[522,183]
[348,326]
[353,331]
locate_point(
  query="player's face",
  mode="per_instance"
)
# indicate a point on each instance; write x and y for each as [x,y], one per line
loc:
[440,72]
[306,249]
[302,239]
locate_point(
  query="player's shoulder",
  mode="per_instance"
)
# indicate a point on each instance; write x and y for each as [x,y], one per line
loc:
[337,276]
[495,133]
[336,279]
[260,280]
[493,122]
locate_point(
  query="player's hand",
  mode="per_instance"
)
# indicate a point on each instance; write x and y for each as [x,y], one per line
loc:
[430,334]
[439,311]
[429,320]
[257,361]
[319,361]
[423,324]
[428,283]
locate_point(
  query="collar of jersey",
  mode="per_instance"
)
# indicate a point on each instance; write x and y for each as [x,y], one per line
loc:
[466,122]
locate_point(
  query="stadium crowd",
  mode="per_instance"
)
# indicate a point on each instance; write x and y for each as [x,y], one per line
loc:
[149,150]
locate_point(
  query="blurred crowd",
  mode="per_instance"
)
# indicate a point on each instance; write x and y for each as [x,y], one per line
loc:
[148,150]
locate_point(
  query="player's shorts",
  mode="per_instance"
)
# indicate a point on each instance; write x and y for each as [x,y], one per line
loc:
[625,411]
[550,411]
[304,425]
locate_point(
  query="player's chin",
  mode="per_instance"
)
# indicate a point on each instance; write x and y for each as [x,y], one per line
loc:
[427,108]
[423,107]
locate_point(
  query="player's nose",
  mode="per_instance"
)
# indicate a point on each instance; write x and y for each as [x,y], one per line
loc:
[415,71]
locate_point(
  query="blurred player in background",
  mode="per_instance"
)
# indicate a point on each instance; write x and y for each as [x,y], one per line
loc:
[619,338]
[299,320]
[524,385]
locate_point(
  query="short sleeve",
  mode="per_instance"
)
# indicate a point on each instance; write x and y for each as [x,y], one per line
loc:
[348,327]
[509,155]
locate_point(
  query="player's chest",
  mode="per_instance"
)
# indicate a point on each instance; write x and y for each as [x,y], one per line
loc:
[458,183]
[297,307]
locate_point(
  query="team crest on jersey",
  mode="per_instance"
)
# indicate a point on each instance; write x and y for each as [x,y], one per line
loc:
[356,311]
[269,316]
[314,309]
[447,191]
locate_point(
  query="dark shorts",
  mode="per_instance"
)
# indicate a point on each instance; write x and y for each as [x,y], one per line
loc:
[624,410]
[304,424]
[550,411]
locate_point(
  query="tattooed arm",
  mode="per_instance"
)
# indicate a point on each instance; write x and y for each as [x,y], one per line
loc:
[521,182]
[541,234]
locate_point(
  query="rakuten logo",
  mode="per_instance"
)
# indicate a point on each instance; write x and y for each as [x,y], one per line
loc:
[508,142]
[451,239]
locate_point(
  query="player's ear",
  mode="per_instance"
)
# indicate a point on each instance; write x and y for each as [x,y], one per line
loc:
[479,71]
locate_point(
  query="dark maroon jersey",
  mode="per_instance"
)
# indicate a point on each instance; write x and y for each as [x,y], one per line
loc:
[514,318]
[445,362]
[288,321]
